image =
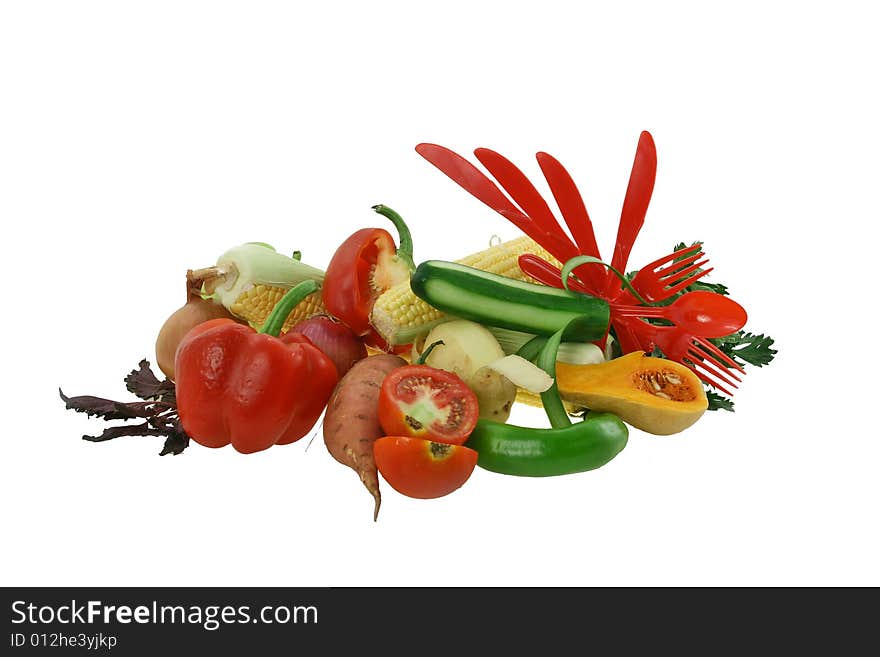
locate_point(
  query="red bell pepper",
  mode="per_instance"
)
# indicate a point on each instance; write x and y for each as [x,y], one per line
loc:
[363,267]
[249,388]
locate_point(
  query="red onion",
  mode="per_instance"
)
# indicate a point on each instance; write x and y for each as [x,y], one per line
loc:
[335,339]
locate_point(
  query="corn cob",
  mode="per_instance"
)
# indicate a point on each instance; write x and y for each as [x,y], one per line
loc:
[255,304]
[251,278]
[400,316]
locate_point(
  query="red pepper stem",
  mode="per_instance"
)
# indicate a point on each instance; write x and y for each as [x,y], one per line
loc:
[276,319]
[405,243]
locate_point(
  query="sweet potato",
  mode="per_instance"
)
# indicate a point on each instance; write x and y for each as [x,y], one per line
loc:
[351,424]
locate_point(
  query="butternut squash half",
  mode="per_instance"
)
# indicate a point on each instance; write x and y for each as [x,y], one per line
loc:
[656,395]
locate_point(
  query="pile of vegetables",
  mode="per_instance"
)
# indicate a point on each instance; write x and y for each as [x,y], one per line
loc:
[415,369]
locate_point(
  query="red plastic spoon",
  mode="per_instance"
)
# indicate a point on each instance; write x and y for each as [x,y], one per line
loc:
[701,313]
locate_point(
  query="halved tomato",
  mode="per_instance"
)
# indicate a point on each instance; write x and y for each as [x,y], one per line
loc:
[426,402]
[423,468]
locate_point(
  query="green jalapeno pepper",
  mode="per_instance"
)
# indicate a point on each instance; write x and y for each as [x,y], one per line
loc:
[529,452]
[566,448]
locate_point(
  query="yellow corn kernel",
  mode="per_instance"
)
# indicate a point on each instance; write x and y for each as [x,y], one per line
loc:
[400,316]
[255,304]
[503,258]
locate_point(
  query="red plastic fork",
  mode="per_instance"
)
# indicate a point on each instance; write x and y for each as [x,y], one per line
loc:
[667,276]
[656,281]
[705,359]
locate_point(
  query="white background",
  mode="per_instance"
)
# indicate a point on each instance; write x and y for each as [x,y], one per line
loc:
[140,139]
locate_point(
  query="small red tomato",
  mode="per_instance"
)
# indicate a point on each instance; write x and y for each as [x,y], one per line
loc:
[426,402]
[423,468]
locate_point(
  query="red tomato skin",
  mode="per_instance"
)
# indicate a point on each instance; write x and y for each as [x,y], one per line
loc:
[396,422]
[421,468]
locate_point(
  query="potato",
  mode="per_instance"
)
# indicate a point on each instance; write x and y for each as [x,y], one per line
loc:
[495,394]
[467,349]
[467,346]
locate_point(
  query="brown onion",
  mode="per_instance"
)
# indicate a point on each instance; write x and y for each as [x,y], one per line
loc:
[335,339]
[194,312]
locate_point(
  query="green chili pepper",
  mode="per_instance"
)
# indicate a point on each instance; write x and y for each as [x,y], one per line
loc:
[532,348]
[275,321]
[529,452]
[566,448]
[550,398]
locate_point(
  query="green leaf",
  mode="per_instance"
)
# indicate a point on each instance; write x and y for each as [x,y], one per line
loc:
[718,288]
[681,246]
[746,347]
[719,402]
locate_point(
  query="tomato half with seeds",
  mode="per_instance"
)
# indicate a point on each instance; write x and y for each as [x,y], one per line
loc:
[426,402]
[423,468]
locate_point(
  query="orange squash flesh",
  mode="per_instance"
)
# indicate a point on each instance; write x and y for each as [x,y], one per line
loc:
[656,395]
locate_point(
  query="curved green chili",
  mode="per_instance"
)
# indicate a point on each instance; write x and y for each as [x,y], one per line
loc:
[550,398]
[275,321]
[529,452]
[532,348]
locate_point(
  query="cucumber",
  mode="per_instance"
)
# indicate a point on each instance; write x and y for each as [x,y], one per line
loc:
[494,300]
